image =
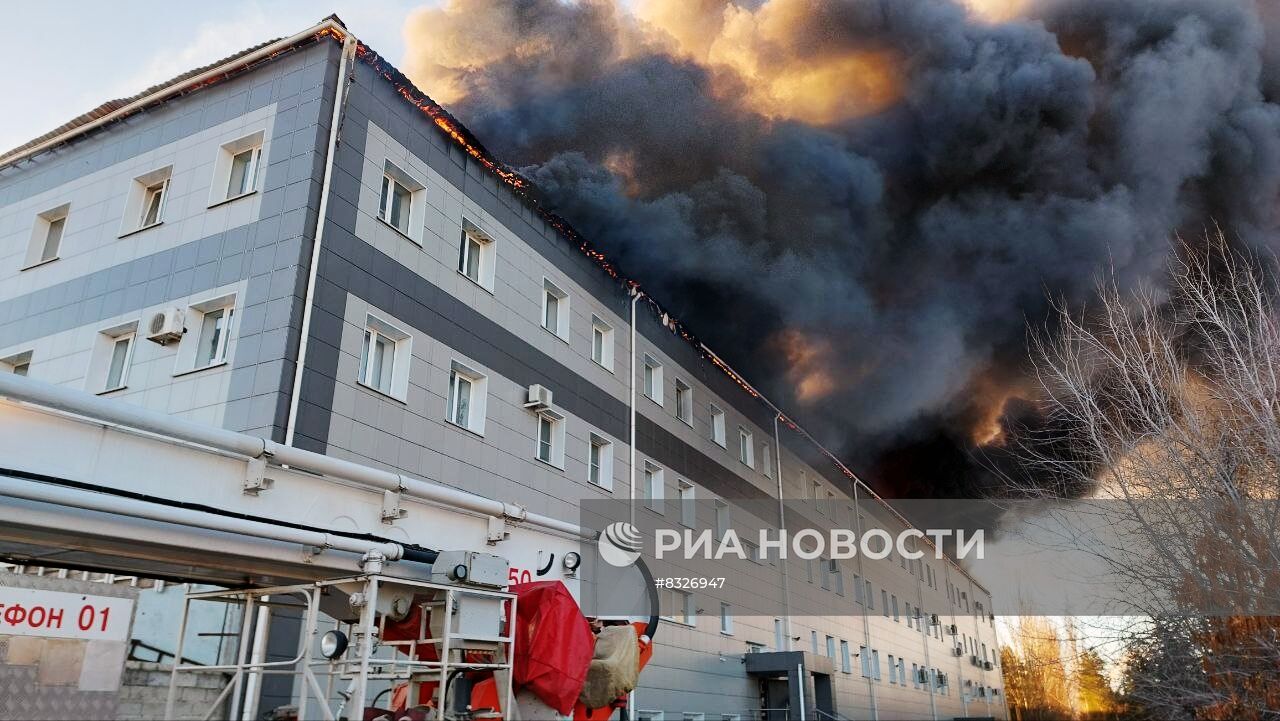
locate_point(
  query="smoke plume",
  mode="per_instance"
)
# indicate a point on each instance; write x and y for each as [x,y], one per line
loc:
[863,203]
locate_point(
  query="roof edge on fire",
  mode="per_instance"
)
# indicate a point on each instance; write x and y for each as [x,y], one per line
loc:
[333,27]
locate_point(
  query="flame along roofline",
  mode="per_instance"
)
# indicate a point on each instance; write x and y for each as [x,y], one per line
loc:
[524,188]
[333,28]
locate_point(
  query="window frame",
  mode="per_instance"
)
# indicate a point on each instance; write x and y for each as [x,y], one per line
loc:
[686,495]
[127,336]
[746,447]
[562,309]
[654,486]
[604,465]
[718,426]
[477,397]
[651,378]
[400,344]
[224,169]
[138,202]
[726,618]
[17,363]
[394,176]
[554,423]
[38,247]
[486,255]
[684,409]
[192,342]
[604,330]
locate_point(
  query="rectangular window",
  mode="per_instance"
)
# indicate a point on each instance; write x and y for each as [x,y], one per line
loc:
[235,172]
[118,368]
[893,669]
[477,249]
[746,448]
[18,364]
[394,204]
[111,358]
[153,204]
[831,647]
[147,200]
[401,201]
[884,602]
[244,165]
[875,664]
[779,635]
[53,239]
[602,343]
[813,638]
[677,605]
[384,358]
[857,589]
[465,405]
[717,426]
[915,675]
[871,598]
[846,663]
[684,402]
[766,460]
[865,661]
[549,447]
[469,256]
[600,462]
[726,619]
[688,505]
[215,329]
[893,600]
[723,520]
[46,236]
[555,310]
[653,378]
[837,576]
[377,358]
[546,426]
[652,487]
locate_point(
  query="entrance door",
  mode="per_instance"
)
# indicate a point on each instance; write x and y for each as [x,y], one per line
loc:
[777,699]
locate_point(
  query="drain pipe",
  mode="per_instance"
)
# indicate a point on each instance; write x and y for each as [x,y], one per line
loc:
[782,527]
[308,299]
[636,295]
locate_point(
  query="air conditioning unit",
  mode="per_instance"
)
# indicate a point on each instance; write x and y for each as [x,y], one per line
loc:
[165,326]
[539,398]
[933,619]
[974,660]
[942,680]
[958,651]
[953,630]
[987,665]
[922,676]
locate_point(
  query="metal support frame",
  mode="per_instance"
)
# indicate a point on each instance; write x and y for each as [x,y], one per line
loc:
[369,658]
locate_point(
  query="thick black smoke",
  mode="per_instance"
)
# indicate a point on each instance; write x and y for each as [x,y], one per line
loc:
[876,268]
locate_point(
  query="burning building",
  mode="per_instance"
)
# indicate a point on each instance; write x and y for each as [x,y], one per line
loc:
[298,243]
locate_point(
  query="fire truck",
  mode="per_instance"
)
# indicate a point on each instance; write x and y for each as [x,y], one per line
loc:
[415,599]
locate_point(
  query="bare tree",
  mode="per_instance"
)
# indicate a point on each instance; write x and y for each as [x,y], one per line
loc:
[1162,407]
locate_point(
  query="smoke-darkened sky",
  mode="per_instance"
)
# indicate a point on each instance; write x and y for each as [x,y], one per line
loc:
[863,203]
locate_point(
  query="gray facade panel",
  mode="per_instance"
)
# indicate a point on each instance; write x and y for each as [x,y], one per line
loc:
[272,252]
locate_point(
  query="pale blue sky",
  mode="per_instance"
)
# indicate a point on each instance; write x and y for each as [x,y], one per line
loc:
[67,57]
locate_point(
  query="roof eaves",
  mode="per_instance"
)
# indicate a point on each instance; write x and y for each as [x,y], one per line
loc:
[114,110]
